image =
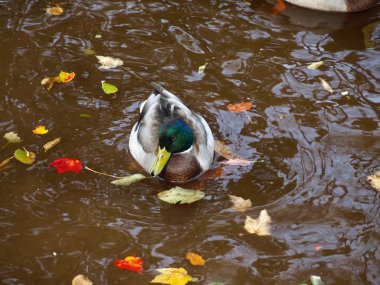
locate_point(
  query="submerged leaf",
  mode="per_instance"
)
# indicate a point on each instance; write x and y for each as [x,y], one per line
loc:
[239,204]
[128,180]
[57,10]
[24,156]
[325,85]
[83,115]
[89,51]
[202,68]
[239,107]
[181,195]
[66,164]
[81,280]
[195,259]
[5,162]
[40,130]
[12,137]
[108,88]
[259,226]
[108,62]
[132,263]
[316,280]
[172,276]
[224,150]
[279,7]
[375,180]
[51,144]
[315,65]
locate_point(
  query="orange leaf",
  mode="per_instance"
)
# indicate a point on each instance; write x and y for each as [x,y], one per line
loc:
[239,107]
[195,259]
[40,130]
[279,7]
[65,76]
[132,263]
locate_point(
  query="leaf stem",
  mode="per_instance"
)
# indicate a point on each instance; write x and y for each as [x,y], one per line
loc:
[130,71]
[245,112]
[101,173]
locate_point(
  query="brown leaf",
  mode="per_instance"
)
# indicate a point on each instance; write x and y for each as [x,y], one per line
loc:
[239,204]
[239,107]
[195,259]
[259,226]
[51,144]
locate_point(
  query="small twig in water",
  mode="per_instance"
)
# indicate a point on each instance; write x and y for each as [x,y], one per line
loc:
[245,112]
[130,71]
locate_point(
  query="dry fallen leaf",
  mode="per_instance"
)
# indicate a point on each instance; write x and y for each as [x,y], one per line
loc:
[375,180]
[57,10]
[5,162]
[195,259]
[259,226]
[239,204]
[51,144]
[325,85]
[202,68]
[315,65]
[224,150]
[239,107]
[12,137]
[172,276]
[108,62]
[81,280]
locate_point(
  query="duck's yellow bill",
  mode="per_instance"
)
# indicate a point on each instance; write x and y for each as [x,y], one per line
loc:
[161,160]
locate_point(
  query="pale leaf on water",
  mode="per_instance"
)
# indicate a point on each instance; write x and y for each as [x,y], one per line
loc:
[259,226]
[223,150]
[325,85]
[51,144]
[180,195]
[12,137]
[5,162]
[315,65]
[239,204]
[57,10]
[108,62]
[81,280]
[316,280]
[375,180]
[202,68]
[344,93]
[237,161]
[128,180]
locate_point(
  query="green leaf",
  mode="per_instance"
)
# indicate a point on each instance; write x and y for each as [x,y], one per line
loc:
[109,88]
[178,194]
[89,51]
[85,115]
[25,156]
[316,280]
[315,65]
[128,180]
[12,137]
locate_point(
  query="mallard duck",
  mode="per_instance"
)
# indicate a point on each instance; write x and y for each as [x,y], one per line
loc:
[169,140]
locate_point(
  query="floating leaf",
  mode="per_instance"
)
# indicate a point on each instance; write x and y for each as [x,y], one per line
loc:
[49,81]
[178,194]
[108,62]
[195,259]
[98,36]
[132,263]
[51,144]
[5,162]
[65,76]
[81,280]
[375,180]
[279,7]
[85,115]
[239,204]
[57,10]
[202,68]
[172,276]
[315,65]
[344,93]
[224,150]
[128,180]
[89,51]
[12,137]
[40,130]
[325,85]
[24,156]
[66,164]
[239,107]
[316,280]
[108,88]
[237,161]
[259,226]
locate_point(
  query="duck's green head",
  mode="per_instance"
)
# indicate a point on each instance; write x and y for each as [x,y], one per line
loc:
[174,136]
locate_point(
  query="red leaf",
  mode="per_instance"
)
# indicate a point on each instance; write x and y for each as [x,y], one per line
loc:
[132,263]
[65,164]
[239,107]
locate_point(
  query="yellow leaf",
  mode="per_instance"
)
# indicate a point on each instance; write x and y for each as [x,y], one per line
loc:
[202,68]
[375,180]
[57,10]
[40,130]
[51,144]
[108,62]
[172,276]
[65,76]
[315,65]
[239,204]
[195,259]
[259,226]
[325,85]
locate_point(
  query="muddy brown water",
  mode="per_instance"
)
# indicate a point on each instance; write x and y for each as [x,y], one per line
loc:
[318,148]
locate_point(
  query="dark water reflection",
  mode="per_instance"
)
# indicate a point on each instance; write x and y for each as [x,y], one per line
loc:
[318,148]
